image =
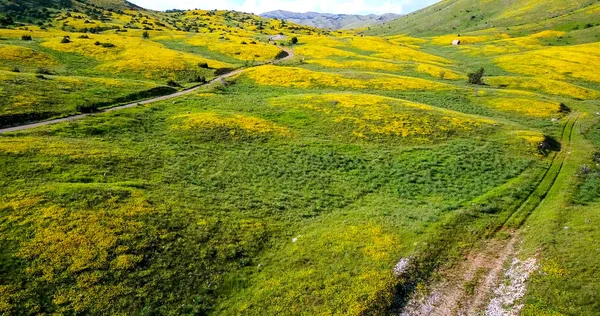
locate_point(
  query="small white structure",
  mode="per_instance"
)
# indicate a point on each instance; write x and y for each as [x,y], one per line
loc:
[456,42]
[277,38]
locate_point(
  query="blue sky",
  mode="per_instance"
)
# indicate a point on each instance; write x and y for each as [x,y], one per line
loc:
[325,6]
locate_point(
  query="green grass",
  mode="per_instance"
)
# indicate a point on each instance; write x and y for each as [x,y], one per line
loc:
[217,222]
[226,202]
[27,97]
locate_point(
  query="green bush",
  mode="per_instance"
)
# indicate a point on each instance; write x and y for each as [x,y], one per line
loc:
[43,71]
[87,108]
[146,34]
[477,77]
[173,83]
[282,54]
[294,40]
[26,37]
[203,65]
[66,40]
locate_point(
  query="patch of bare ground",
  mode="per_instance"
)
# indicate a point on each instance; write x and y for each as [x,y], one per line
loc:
[467,287]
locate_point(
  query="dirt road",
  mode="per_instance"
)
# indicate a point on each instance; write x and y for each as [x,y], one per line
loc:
[468,287]
[153,100]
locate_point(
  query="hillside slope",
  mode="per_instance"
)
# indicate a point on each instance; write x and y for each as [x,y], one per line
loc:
[332,21]
[451,16]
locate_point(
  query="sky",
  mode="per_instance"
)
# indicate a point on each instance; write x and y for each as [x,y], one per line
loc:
[323,6]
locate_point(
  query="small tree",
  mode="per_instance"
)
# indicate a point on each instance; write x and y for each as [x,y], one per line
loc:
[146,34]
[26,37]
[203,65]
[294,40]
[477,77]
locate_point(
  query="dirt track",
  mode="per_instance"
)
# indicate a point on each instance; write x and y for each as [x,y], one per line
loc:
[130,105]
[468,287]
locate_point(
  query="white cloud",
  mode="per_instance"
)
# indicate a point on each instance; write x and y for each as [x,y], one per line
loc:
[260,6]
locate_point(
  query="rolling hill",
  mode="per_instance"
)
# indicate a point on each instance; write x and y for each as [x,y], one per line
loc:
[456,16]
[214,162]
[331,21]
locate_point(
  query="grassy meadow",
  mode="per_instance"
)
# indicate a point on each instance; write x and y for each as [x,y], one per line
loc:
[292,188]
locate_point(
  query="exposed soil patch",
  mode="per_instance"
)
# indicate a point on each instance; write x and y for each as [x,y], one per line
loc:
[466,288]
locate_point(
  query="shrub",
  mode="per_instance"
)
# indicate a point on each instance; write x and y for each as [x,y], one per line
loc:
[244,43]
[97,43]
[87,108]
[203,65]
[173,83]
[66,40]
[107,45]
[146,34]
[564,108]
[84,36]
[294,40]
[548,145]
[16,70]
[43,71]
[222,71]
[282,54]
[26,38]
[198,79]
[477,77]
[39,76]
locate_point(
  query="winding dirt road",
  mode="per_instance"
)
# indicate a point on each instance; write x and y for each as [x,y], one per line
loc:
[148,101]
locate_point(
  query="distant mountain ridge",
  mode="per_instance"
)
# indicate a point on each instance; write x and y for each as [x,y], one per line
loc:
[332,21]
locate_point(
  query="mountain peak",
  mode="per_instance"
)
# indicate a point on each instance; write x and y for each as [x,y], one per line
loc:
[331,21]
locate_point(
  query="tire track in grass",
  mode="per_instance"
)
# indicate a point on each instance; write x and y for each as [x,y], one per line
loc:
[467,287]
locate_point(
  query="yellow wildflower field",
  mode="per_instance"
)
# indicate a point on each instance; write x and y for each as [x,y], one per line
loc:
[577,62]
[357,64]
[301,78]
[525,106]
[25,56]
[133,54]
[54,146]
[233,46]
[446,40]
[513,45]
[372,116]
[548,86]
[438,72]
[383,48]
[232,123]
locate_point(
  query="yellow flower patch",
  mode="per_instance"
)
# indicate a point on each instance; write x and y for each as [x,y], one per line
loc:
[548,86]
[438,72]
[73,148]
[209,120]
[466,39]
[357,64]
[525,106]
[25,55]
[579,61]
[388,50]
[406,40]
[233,47]
[133,54]
[374,116]
[531,137]
[301,78]
[321,52]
